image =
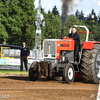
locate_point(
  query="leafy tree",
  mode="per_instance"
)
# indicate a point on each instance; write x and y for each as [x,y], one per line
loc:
[81,15]
[53,26]
[77,13]
[3,21]
[3,33]
[28,17]
[55,11]
[17,16]
[49,12]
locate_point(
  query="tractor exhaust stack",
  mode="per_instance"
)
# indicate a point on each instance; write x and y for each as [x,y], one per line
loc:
[62,33]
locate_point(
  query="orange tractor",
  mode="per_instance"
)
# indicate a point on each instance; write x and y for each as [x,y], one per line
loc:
[58,61]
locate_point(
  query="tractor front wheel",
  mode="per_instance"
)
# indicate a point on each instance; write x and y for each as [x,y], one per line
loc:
[33,73]
[69,73]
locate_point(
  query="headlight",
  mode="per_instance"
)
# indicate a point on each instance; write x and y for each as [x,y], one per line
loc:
[58,45]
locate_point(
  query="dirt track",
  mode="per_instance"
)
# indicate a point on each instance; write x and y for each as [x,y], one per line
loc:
[20,88]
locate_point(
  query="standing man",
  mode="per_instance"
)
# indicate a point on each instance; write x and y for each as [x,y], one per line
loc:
[75,36]
[24,56]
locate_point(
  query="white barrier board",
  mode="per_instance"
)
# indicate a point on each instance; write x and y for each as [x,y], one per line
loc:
[5,61]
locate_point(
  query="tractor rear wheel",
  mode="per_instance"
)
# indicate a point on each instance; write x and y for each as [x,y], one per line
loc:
[90,65]
[33,72]
[69,73]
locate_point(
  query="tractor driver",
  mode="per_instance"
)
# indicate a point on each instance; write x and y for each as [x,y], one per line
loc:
[75,36]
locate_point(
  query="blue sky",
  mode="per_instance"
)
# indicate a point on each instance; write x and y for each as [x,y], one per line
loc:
[85,5]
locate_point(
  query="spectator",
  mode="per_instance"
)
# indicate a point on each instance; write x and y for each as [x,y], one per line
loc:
[24,56]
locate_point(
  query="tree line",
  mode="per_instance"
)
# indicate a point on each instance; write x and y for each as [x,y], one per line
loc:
[16,23]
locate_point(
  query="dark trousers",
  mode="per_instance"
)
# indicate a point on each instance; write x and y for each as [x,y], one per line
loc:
[23,59]
[76,52]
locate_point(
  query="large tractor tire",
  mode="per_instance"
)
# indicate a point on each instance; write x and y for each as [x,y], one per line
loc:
[33,72]
[90,65]
[69,73]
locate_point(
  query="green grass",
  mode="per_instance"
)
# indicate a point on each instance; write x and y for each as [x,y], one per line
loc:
[13,72]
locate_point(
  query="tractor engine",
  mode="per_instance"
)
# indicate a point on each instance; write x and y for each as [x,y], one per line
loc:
[58,50]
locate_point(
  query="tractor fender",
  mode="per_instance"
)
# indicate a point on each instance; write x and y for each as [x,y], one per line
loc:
[89,44]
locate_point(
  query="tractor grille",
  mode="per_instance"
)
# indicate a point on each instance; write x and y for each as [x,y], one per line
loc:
[49,47]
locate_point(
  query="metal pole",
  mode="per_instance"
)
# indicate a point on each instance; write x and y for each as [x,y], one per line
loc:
[38,32]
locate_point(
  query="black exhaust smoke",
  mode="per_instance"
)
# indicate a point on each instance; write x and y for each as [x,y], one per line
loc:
[65,10]
[62,33]
[67,7]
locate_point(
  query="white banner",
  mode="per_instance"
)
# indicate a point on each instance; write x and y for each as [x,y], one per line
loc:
[5,61]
